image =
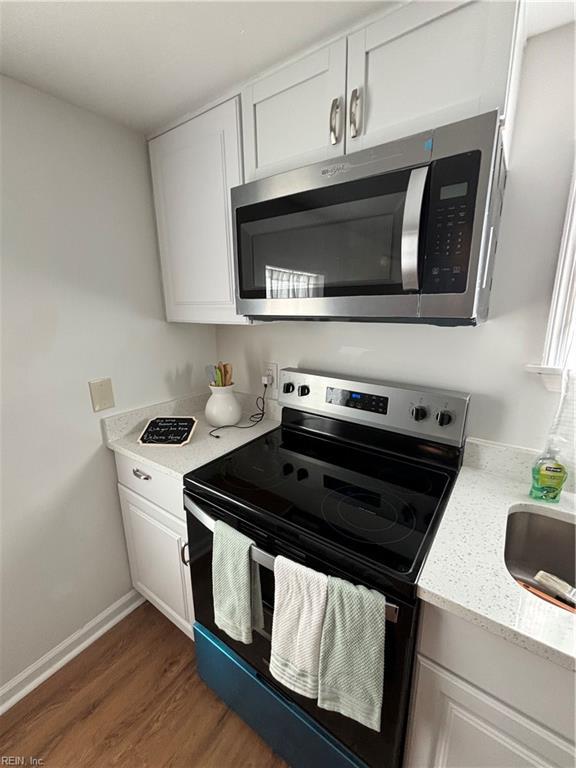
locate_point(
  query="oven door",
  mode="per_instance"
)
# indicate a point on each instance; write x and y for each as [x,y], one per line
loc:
[347,250]
[375,749]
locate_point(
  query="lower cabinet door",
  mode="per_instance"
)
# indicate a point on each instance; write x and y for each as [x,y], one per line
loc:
[456,725]
[155,539]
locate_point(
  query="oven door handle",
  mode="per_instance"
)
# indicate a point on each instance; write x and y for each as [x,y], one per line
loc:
[259,555]
[411,228]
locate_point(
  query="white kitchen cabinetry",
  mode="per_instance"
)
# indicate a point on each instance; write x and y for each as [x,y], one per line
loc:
[428,64]
[460,726]
[421,65]
[194,167]
[155,539]
[483,702]
[158,487]
[296,115]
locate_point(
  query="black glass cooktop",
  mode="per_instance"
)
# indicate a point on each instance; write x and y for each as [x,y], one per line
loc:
[378,505]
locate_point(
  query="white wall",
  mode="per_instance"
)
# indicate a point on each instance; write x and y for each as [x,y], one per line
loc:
[508,405]
[81,298]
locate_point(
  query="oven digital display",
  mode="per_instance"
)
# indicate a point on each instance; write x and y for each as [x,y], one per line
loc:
[359,400]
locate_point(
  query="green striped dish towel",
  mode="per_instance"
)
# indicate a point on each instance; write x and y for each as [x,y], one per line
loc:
[351,669]
[236,587]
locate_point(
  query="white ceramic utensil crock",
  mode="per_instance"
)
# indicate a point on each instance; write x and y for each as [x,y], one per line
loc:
[222,408]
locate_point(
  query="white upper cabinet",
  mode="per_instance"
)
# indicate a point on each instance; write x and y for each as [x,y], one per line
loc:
[296,115]
[194,167]
[421,65]
[427,64]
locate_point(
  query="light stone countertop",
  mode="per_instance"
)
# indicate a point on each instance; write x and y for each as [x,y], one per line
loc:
[121,433]
[464,572]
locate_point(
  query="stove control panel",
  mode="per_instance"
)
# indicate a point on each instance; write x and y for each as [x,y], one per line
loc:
[434,414]
[362,400]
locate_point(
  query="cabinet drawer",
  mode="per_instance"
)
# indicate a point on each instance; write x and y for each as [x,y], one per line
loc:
[151,483]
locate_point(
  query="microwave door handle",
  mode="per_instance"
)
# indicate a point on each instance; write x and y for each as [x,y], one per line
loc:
[261,557]
[411,228]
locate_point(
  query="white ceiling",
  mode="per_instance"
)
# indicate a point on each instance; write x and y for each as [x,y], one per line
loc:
[542,15]
[146,63]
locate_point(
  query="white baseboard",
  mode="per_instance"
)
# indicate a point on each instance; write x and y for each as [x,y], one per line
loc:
[40,670]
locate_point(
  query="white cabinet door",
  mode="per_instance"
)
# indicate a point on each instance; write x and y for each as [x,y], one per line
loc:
[193,168]
[427,64]
[155,540]
[286,116]
[456,725]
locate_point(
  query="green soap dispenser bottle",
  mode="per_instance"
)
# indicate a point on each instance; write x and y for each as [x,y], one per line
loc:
[548,474]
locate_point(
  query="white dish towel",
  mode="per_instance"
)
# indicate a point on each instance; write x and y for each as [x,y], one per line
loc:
[299,605]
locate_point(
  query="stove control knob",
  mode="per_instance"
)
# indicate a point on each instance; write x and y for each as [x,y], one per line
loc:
[443,418]
[303,390]
[288,388]
[418,412]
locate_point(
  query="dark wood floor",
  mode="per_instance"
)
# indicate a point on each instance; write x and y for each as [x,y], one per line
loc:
[133,698]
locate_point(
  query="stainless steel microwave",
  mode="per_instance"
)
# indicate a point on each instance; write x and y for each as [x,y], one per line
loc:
[403,232]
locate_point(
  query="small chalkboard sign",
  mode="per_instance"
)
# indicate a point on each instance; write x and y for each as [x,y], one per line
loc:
[168,431]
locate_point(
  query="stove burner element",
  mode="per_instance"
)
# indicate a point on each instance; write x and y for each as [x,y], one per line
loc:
[351,511]
[366,493]
[266,472]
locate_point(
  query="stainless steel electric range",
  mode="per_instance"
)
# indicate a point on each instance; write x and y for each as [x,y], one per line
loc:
[352,483]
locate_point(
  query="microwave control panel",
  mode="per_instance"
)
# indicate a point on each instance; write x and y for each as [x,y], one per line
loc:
[453,185]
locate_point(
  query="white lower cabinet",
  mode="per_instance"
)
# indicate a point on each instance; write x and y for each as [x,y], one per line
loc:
[456,725]
[480,701]
[155,539]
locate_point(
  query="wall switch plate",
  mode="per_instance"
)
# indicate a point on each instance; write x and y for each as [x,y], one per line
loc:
[101,394]
[271,369]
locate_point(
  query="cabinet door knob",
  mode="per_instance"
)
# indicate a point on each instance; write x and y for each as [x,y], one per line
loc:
[354,112]
[183,555]
[334,121]
[141,475]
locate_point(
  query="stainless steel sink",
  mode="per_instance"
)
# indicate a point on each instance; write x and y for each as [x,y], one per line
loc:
[540,542]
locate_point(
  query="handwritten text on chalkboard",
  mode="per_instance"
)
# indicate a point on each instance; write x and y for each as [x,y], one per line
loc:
[168,431]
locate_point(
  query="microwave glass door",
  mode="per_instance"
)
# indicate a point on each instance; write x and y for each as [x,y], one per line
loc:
[342,240]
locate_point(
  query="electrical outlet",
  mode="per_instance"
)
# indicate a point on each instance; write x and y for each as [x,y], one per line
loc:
[271,370]
[101,394]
